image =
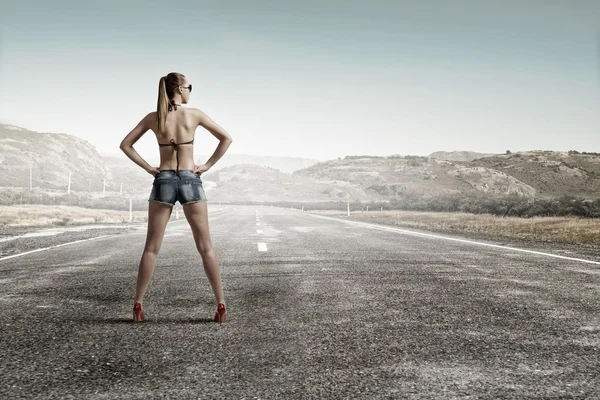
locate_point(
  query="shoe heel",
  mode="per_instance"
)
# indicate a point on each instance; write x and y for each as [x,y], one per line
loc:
[221,314]
[138,313]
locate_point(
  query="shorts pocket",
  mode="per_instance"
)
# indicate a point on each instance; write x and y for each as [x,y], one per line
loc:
[195,180]
[163,190]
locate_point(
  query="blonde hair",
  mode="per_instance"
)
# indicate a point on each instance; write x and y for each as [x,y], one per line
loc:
[166,90]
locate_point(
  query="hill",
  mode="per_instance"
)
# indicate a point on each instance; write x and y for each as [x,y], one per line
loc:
[527,174]
[550,173]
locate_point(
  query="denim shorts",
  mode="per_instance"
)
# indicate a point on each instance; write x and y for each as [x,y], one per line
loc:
[167,187]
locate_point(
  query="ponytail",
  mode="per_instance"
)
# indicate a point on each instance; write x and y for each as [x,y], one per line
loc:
[162,108]
[166,88]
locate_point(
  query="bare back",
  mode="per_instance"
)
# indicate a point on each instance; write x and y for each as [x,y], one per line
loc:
[180,126]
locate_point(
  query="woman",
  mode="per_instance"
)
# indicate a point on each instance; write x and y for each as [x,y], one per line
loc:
[177,179]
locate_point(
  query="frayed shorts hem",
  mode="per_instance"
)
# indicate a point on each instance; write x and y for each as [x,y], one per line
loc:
[161,202]
[195,201]
[170,204]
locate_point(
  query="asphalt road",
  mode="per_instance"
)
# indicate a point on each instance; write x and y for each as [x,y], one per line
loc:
[317,308]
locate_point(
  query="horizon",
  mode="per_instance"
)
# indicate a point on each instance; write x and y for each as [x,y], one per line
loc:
[119,154]
[319,79]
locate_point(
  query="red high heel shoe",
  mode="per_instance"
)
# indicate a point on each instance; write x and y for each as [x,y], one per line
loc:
[138,313]
[220,314]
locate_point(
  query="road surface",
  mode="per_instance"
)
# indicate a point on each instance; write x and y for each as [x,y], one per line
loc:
[318,307]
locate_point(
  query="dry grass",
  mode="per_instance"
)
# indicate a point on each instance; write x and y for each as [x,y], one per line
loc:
[44,215]
[549,229]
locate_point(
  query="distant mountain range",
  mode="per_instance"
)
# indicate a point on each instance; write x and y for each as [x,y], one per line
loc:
[254,178]
[284,164]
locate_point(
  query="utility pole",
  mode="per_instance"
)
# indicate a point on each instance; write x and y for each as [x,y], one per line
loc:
[30,178]
[69,186]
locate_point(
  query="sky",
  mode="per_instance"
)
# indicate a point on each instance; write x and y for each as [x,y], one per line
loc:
[319,79]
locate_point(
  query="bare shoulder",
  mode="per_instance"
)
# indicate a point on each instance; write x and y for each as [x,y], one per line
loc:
[197,113]
[207,123]
[151,121]
[201,116]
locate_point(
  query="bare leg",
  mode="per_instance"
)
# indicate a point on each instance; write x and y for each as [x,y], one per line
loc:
[197,216]
[158,216]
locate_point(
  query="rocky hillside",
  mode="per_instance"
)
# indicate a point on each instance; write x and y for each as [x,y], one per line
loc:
[51,156]
[550,173]
[354,178]
[529,174]
[247,182]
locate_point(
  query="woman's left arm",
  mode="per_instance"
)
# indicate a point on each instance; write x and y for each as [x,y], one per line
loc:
[127,143]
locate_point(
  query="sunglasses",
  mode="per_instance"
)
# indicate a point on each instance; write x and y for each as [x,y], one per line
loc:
[188,87]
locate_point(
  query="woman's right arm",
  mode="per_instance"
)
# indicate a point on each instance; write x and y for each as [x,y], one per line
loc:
[217,131]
